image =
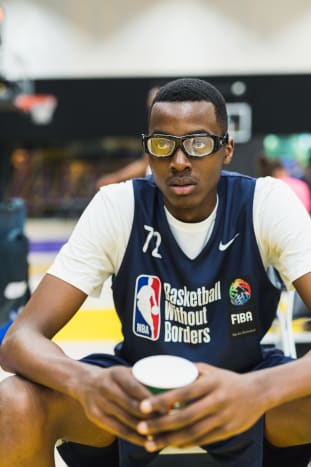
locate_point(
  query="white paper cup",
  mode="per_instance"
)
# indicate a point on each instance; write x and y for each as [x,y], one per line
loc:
[161,373]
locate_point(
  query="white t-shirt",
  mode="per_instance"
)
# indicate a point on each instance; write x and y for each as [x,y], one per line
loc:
[96,247]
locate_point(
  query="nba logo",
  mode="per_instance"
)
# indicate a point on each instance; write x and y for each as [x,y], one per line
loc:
[146,313]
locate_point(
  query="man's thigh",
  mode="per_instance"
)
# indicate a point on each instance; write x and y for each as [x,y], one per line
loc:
[288,434]
[289,424]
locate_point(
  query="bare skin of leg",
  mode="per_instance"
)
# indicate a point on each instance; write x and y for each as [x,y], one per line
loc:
[289,424]
[41,417]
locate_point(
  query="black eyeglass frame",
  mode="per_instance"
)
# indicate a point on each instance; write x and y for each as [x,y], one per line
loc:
[219,142]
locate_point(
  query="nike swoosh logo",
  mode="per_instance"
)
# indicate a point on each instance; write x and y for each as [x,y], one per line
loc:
[224,246]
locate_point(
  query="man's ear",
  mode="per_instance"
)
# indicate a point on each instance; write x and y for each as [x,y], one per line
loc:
[229,149]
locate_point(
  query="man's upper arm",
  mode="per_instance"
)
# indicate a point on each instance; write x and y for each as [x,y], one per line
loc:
[303,287]
[51,306]
[283,229]
[96,247]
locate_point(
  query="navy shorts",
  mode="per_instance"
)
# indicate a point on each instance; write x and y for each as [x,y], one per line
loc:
[248,449]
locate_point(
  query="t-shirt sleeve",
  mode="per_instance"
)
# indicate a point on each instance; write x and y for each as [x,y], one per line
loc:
[283,229]
[97,244]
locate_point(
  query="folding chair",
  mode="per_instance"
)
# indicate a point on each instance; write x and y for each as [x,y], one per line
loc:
[285,314]
[14,279]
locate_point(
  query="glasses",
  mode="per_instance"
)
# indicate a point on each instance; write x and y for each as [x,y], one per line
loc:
[194,145]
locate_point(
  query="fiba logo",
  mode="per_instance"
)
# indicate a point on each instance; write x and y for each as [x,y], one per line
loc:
[239,292]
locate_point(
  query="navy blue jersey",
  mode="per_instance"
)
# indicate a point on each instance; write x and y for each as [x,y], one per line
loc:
[215,308]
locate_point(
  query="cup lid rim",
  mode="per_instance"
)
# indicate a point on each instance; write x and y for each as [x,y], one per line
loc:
[165,371]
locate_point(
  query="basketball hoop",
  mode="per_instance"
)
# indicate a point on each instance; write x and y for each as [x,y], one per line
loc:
[41,107]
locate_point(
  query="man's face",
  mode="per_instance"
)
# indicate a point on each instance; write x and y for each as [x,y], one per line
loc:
[188,184]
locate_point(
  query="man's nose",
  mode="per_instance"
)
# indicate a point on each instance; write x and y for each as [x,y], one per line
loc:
[180,160]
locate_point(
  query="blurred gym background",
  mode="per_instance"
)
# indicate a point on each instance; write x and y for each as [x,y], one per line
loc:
[74,77]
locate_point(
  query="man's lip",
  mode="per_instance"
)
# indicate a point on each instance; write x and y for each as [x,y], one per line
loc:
[182,185]
[181,181]
[182,189]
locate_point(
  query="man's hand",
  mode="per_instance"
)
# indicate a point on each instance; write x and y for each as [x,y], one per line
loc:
[111,398]
[218,405]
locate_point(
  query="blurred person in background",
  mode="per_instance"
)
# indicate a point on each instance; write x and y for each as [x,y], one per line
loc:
[275,168]
[137,168]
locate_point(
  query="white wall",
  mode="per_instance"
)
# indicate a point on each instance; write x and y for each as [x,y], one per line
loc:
[75,38]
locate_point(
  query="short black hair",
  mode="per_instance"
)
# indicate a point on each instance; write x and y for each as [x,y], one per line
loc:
[194,89]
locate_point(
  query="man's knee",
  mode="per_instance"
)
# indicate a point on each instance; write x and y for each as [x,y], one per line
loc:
[23,408]
[34,411]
